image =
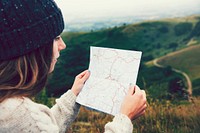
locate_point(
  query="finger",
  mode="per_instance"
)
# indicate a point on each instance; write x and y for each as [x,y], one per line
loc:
[144,93]
[145,106]
[86,76]
[142,112]
[82,74]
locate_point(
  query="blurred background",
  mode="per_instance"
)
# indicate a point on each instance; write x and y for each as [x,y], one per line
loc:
[168,34]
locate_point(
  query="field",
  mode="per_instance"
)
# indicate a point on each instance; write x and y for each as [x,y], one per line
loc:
[160,117]
[186,60]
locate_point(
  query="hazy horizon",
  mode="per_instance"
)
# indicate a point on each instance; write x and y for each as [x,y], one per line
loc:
[76,10]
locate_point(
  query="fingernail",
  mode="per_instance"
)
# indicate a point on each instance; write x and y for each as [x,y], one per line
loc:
[89,71]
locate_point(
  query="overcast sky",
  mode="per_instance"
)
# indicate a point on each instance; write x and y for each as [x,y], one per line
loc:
[76,9]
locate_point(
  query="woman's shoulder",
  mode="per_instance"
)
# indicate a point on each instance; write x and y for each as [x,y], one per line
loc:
[9,106]
[22,113]
[20,106]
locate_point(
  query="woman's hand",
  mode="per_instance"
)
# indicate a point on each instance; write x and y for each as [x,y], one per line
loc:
[134,103]
[80,81]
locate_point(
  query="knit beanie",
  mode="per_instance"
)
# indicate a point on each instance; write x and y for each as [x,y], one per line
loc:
[26,25]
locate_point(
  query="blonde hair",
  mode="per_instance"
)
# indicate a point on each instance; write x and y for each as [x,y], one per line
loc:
[25,75]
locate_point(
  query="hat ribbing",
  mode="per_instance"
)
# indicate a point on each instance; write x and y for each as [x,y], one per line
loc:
[26,25]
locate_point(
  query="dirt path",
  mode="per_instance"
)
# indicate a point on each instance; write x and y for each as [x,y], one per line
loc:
[189,83]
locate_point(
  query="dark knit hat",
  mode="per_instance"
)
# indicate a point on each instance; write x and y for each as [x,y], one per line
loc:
[26,25]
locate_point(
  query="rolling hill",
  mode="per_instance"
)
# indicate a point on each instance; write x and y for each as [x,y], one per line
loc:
[185,60]
[154,38]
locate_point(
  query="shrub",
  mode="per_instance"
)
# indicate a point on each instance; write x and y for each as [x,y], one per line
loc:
[163,29]
[182,28]
[196,30]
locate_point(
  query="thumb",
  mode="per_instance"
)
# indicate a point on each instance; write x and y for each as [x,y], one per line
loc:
[86,75]
[136,89]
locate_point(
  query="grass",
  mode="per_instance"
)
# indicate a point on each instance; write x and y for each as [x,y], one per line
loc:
[186,60]
[160,117]
[167,117]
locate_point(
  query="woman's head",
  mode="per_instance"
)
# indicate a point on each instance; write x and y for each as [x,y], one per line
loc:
[29,45]
[26,25]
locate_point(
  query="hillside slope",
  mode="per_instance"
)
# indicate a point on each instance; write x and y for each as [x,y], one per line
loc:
[153,38]
[187,62]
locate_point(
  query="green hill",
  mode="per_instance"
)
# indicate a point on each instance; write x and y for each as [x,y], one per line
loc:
[153,38]
[186,60]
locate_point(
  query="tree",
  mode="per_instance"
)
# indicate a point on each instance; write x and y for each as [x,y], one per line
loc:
[173,45]
[196,30]
[163,29]
[177,88]
[182,28]
[167,71]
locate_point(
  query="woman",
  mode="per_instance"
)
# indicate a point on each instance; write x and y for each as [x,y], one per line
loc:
[29,48]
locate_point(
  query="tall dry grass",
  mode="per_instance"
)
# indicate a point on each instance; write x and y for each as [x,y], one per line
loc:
[165,117]
[160,117]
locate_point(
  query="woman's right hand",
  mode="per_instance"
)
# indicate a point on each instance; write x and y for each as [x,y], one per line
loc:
[134,103]
[80,81]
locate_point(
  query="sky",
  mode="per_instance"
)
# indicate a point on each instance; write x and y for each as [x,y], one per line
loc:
[78,9]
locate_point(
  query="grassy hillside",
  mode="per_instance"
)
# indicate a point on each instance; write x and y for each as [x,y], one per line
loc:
[186,60]
[153,38]
[159,117]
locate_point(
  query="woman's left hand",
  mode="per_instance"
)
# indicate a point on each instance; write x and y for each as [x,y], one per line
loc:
[80,81]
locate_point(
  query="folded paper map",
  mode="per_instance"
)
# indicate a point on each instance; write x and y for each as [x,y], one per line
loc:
[111,72]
